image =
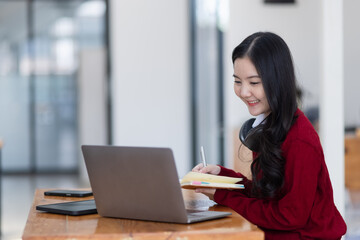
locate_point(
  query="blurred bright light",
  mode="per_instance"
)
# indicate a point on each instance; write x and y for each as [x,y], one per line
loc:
[94,8]
[64,54]
[206,12]
[223,14]
[212,12]
[63,27]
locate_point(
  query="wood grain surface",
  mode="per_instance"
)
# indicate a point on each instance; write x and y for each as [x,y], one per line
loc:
[42,225]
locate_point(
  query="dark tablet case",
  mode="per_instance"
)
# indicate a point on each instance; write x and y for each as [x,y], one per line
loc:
[75,208]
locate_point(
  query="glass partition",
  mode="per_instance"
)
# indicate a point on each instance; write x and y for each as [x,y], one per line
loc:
[14,85]
[39,63]
[209,19]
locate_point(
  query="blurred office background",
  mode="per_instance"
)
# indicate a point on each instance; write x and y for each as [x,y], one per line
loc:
[156,73]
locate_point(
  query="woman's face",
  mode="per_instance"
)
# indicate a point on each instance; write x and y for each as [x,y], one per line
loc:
[249,88]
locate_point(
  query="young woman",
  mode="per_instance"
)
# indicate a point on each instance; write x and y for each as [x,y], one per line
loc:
[290,194]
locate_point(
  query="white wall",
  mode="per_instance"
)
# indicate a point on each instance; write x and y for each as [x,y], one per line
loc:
[332,96]
[92,101]
[351,62]
[150,75]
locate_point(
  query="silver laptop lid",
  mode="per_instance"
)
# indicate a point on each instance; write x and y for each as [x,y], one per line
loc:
[135,182]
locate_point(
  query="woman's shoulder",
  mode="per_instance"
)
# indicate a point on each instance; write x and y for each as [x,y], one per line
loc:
[302,130]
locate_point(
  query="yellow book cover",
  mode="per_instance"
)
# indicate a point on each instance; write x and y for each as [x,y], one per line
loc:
[202,180]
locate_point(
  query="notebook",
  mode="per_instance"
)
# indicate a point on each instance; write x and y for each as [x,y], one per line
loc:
[139,183]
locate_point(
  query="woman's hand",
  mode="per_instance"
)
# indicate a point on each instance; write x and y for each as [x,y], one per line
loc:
[210,169]
[206,191]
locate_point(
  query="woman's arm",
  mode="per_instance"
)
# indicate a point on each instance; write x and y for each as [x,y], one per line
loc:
[231,173]
[292,211]
[222,171]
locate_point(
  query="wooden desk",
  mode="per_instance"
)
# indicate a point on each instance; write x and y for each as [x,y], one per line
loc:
[53,226]
[352,162]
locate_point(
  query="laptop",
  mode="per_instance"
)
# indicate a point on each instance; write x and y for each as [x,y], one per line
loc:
[139,183]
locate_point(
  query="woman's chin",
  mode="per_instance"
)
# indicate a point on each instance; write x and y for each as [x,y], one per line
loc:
[254,112]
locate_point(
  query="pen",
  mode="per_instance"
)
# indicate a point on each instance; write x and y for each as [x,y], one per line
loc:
[203,156]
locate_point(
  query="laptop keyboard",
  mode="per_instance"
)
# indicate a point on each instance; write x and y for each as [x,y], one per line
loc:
[199,214]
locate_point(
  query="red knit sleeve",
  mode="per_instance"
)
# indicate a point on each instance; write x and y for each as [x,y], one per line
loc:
[292,211]
[231,173]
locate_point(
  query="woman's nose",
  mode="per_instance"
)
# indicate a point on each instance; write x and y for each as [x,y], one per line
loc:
[245,91]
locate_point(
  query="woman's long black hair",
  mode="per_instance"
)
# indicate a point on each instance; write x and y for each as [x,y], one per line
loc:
[273,62]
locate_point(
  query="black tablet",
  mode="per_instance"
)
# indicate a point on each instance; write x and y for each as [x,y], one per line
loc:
[75,208]
[68,193]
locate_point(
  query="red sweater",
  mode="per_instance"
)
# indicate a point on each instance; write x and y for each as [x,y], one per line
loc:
[306,210]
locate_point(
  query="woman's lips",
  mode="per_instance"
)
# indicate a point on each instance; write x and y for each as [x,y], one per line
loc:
[253,103]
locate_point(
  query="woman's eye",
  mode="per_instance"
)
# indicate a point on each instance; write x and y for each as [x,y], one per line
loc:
[254,83]
[237,82]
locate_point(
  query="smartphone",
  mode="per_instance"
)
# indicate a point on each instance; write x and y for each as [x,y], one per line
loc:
[68,193]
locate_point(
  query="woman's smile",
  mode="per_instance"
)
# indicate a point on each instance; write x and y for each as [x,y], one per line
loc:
[253,103]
